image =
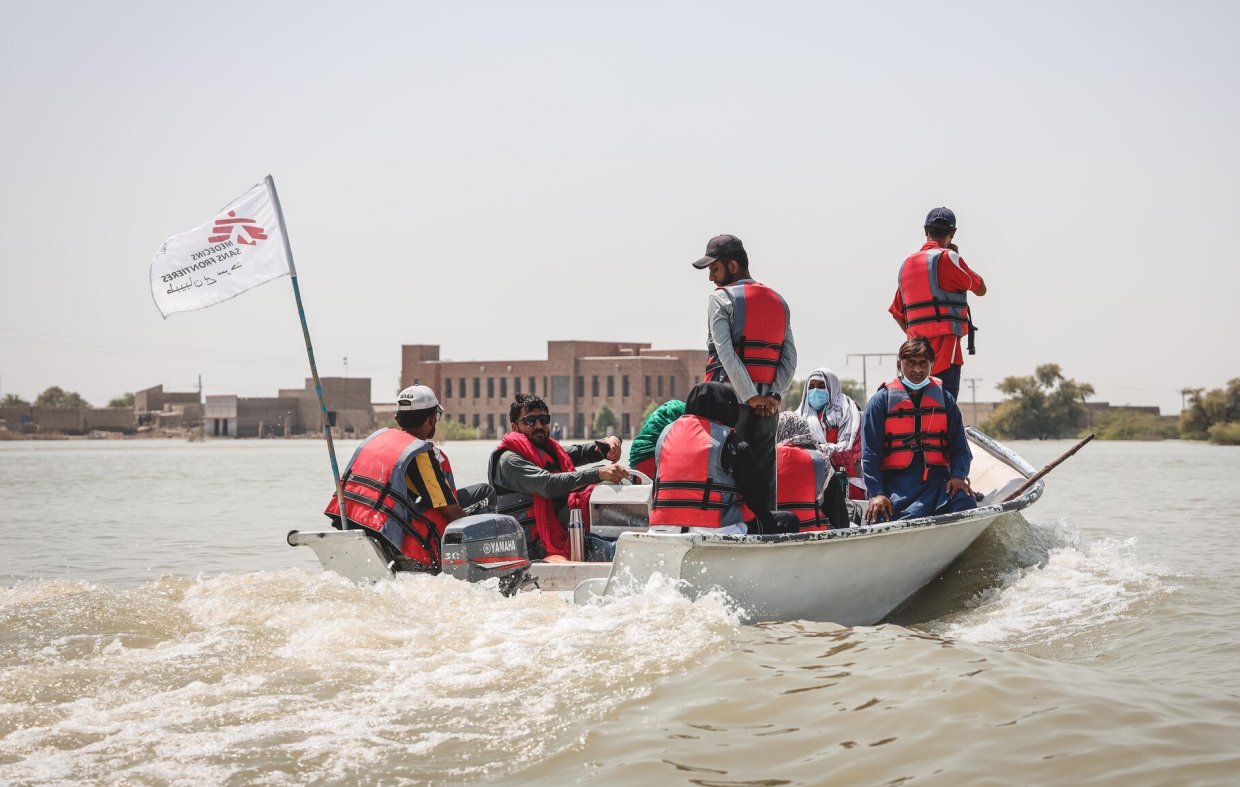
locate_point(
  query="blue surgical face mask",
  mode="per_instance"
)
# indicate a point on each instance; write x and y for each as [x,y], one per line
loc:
[912,386]
[818,398]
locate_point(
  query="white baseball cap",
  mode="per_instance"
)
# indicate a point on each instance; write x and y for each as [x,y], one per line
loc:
[417,397]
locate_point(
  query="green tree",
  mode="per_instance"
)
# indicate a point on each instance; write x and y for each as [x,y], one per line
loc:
[604,417]
[125,400]
[13,400]
[58,397]
[1215,408]
[852,389]
[448,429]
[1129,425]
[1043,405]
[792,400]
[650,408]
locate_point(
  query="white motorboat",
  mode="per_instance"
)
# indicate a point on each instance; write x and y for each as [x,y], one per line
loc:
[850,576]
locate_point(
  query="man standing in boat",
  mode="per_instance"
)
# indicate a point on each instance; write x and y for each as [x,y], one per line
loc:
[749,346]
[400,485]
[914,452]
[535,476]
[932,297]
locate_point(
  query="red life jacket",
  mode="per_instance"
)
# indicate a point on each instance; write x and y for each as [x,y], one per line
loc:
[802,473]
[377,497]
[759,322]
[518,505]
[691,488]
[930,310]
[910,430]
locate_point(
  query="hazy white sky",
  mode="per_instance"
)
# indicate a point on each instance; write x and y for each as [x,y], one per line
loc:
[486,176]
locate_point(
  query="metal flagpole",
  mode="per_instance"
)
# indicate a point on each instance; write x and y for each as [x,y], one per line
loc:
[305,331]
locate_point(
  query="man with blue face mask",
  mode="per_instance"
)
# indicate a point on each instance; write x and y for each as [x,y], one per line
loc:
[914,453]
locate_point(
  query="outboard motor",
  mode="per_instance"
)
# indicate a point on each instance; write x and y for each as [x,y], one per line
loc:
[487,545]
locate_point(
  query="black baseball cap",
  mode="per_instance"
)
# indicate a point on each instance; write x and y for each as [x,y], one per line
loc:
[723,247]
[941,219]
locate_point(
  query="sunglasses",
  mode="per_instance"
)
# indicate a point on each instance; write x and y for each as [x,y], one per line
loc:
[530,420]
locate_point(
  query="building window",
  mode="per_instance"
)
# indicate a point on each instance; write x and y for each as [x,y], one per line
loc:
[546,387]
[477,389]
[503,387]
[671,387]
[660,386]
[461,387]
[594,386]
[516,386]
[532,391]
[559,389]
[581,387]
[447,394]
[624,386]
[461,419]
[647,386]
[490,387]
[490,424]
[625,424]
[477,420]
[611,386]
[579,425]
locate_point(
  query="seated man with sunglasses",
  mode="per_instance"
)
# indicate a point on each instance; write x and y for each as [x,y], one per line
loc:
[534,476]
[400,484]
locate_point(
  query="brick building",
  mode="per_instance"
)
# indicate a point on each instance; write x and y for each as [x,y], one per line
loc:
[293,411]
[575,379]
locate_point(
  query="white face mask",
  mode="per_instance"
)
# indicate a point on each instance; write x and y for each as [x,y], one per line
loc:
[914,386]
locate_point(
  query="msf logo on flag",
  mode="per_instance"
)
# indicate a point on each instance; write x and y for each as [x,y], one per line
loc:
[226,225]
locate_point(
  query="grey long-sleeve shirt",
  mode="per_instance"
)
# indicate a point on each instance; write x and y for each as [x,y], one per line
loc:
[518,474]
[719,314]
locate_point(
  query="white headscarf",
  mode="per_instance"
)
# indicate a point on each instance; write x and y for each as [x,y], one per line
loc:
[840,411]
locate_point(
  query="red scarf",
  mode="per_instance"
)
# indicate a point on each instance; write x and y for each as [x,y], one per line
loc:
[546,521]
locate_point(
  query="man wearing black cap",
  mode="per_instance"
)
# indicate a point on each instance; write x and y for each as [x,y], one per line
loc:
[749,345]
[932,301]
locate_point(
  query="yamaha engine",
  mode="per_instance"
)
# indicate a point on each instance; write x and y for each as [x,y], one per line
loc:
[482,546]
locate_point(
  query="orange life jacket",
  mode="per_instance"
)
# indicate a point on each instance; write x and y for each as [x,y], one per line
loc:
[910,430]
[802,474]
[691,488]
[377,496]
[930,310]
[759,322]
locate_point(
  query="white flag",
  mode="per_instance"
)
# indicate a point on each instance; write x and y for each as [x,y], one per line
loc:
[242,247]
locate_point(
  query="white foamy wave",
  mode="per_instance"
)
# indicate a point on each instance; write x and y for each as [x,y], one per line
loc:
[1079,587]
[285,677]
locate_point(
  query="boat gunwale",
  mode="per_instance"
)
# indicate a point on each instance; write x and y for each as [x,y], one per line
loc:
[982,440]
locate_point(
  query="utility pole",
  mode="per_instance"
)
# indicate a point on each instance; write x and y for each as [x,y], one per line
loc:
[200,389]
[973,381]
[345,405]
[865,386]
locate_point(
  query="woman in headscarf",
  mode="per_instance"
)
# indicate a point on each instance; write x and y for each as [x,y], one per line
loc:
[641,450]
[835,422]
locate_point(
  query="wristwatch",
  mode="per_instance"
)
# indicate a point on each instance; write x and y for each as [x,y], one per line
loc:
[777,397]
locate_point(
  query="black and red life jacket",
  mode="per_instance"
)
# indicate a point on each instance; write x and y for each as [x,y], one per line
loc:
[930,310]
[759,323]
[377,496]
[802,475]
[691,488]
[911,430]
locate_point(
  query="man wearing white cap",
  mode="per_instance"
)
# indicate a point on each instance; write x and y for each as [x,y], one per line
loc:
[401,486]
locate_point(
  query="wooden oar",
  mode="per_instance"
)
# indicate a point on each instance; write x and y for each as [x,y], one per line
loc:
[1038,475]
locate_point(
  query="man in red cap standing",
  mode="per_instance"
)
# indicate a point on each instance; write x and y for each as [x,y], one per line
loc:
[932,297]
[749,346]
